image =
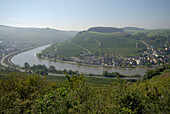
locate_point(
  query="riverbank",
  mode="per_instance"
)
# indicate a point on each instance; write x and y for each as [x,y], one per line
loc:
[6,61]
[108,66]
[31,58]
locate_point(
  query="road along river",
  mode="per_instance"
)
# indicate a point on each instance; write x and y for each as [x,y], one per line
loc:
[31,58]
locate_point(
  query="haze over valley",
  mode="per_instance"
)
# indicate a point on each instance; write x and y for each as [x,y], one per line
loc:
[35,35]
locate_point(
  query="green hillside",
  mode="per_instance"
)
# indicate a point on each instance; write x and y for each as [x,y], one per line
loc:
[67,49]
[96,42]
[156,38]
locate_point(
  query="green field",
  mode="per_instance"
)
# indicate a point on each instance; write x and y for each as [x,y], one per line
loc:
[56,79]
[95,82]
[112,43]
[99,82]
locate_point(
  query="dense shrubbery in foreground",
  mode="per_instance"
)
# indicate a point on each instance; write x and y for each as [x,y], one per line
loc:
[21,93]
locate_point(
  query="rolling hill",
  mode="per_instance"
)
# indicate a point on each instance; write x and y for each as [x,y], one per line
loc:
[110,41]
[35,35]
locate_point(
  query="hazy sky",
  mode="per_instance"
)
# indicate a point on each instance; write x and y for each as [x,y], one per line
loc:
[82,14]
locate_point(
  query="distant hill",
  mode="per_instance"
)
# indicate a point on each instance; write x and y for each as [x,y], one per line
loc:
[35,35]
[131,29]
[105,29]
[113,29]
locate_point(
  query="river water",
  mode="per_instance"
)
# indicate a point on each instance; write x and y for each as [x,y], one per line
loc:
[31,58]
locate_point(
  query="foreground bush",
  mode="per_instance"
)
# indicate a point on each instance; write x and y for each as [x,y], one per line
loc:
[21,93]
[75,96]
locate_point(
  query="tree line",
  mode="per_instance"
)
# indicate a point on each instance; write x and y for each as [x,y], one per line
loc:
[43,70]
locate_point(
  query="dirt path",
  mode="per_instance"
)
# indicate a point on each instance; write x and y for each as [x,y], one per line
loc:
[80,47]
[99,43]
[145,44]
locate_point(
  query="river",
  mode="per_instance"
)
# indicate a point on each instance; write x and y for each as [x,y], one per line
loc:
[31,58]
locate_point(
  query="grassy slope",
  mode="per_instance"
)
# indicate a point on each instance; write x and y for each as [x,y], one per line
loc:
[67,49]
[110,43]
[118,44]
[48,49]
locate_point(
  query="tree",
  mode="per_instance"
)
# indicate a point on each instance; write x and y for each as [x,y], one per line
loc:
[149,74]
[26,65]
[41,72]
[65,71]
[105,73]
[70,72]
[52,69]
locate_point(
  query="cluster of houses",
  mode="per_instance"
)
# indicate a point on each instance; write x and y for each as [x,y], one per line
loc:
[10,46]
[152,56]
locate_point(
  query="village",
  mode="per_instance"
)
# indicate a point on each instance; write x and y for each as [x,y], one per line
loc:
[10,46]
[149,57]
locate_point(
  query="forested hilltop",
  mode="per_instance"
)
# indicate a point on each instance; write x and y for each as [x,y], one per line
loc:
[125,47]
[32,93]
